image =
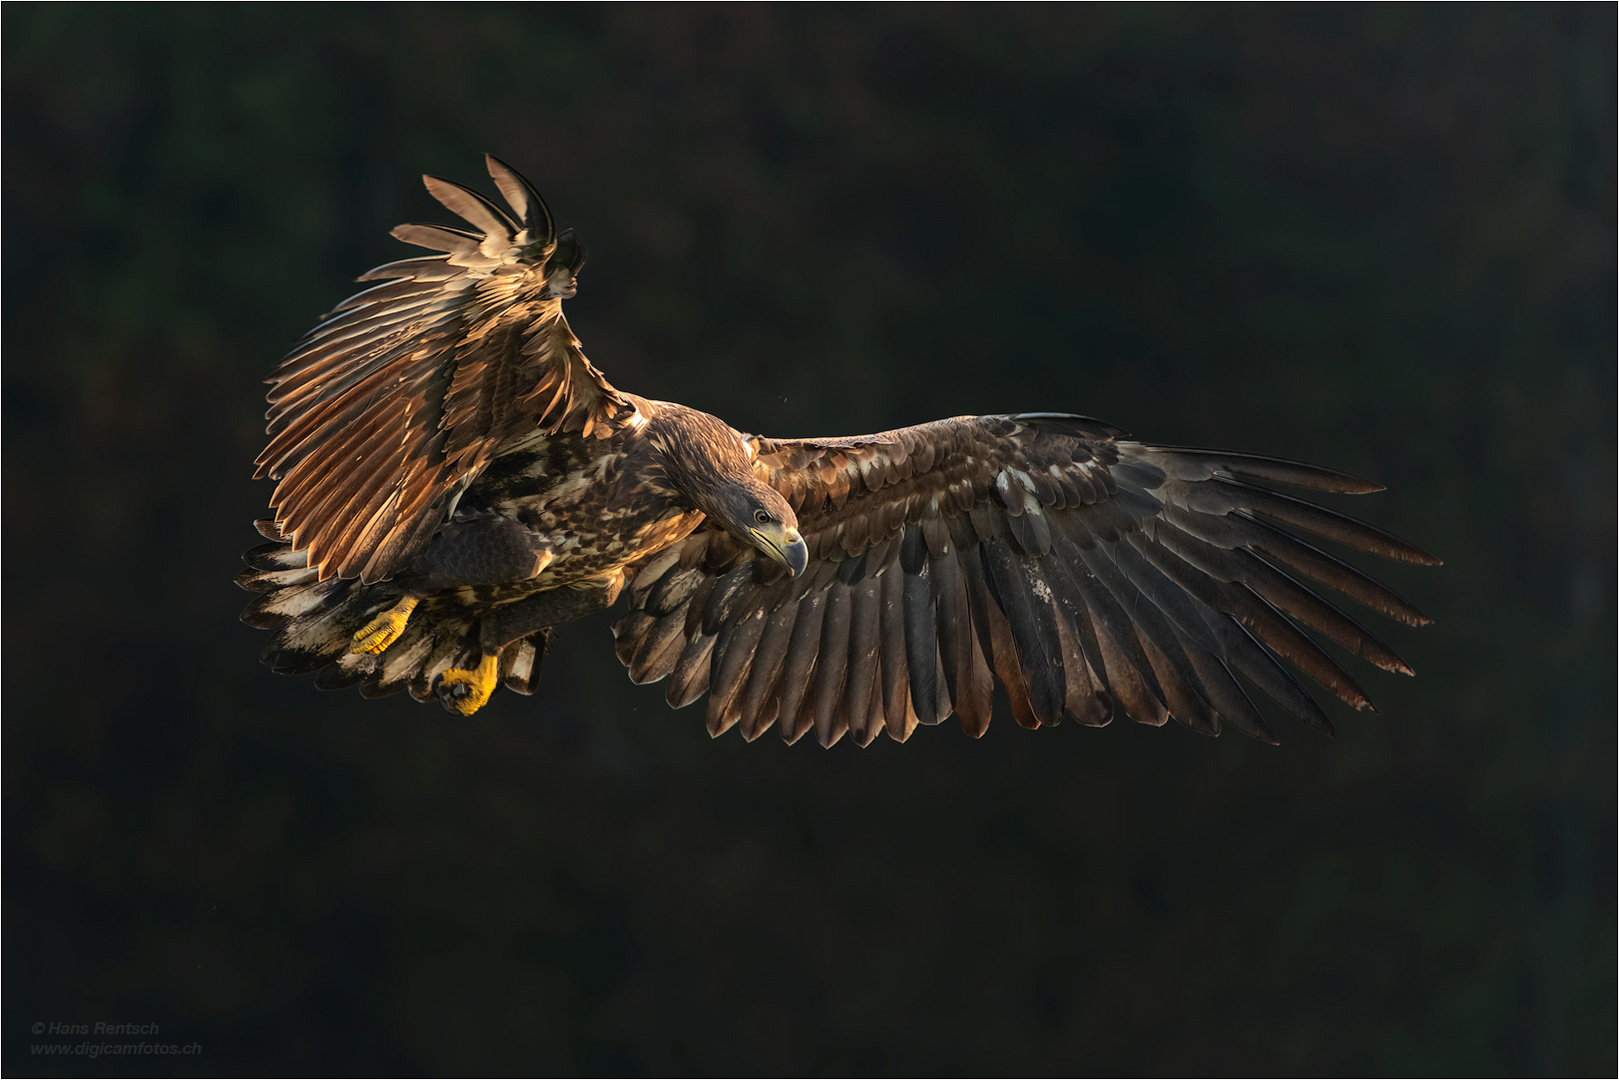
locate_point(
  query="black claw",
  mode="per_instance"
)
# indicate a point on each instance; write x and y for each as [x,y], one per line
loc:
[447,695]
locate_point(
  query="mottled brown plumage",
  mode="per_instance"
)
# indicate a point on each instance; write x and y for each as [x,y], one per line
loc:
[456,478]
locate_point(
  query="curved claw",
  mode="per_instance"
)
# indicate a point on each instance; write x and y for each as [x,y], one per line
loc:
[464,692]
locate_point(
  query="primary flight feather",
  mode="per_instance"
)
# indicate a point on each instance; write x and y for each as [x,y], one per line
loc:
[455,478]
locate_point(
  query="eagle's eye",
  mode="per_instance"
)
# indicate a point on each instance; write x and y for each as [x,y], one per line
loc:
[761,517]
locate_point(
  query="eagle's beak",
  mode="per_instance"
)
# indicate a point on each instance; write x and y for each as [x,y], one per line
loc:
[785,546]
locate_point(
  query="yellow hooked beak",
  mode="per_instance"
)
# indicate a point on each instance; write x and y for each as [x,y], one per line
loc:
[786,546]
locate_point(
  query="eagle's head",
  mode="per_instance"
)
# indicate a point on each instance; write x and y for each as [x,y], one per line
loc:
[712,467]
[754,511]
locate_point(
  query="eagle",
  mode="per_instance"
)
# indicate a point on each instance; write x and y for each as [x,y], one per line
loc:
[455,479]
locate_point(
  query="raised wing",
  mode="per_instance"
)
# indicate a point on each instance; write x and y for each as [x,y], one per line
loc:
[1080,568]
[383,413]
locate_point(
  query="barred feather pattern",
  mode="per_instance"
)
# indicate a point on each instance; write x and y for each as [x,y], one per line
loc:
[1081,570]
[389,408]
[314,620]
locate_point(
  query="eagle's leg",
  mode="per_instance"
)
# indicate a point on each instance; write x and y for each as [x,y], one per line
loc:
[480,551]
[463,692]
[384,630]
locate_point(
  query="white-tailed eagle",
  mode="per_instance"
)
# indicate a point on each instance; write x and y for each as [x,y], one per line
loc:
[455,478]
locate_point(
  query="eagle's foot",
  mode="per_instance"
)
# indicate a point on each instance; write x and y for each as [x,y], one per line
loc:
[462,692]
[384,630]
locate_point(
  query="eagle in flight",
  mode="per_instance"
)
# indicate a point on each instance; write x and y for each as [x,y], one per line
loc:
[455,478]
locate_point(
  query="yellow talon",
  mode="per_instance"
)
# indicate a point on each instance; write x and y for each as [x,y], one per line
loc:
[465,692]
[384,630]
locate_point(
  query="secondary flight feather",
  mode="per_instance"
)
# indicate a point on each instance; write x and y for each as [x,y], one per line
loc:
[455,479]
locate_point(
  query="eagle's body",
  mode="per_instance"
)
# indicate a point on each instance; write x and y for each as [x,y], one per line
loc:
[602,504]
[456,479]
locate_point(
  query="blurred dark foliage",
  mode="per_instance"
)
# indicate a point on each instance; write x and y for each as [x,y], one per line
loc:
[1379,238]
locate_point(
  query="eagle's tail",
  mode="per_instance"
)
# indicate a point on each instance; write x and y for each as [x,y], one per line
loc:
[315,621]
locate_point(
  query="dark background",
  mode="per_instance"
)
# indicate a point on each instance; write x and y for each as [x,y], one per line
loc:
[1378,238]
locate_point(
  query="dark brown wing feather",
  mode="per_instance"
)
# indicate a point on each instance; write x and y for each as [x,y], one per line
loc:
[385,411]
[1075,566]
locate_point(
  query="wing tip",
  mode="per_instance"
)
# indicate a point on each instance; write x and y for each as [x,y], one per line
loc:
[497,167]
[1347,483]
[532,212]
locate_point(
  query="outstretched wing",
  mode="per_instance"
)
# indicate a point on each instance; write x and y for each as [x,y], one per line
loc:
[1078,567]
[385,411]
